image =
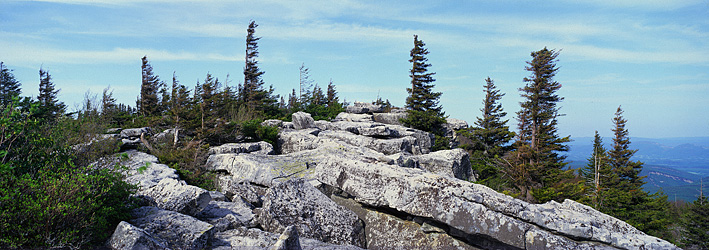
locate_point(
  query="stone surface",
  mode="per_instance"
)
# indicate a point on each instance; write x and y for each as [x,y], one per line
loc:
[350,117]
[390,118]
[264,170]
[364,107]
[172,229]
[259,148]
[453,163]
[174,195]
[302,120]
[471,211]
[252,238]
[129,237]
[226,215]
[456,124]
[298,203]
[135,132]
[140,168]
[288,240]
[298,140]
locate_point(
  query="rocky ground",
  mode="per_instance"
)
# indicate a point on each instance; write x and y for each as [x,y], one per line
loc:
[360,181]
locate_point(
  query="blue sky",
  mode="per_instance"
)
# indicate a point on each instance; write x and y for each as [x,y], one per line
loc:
[651,57]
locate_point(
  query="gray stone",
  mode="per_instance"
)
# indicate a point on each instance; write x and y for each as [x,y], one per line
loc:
[364,107]
[129,237]
[272,123]
[174,195]
[140,168]
[453,163]
[322,125]
[473,211]
[217,196]
[350,117]
[302,120]
[135,132]
[298,203]
[298,140]
[252,238]
[260,148]
[288,240]
[175,230]
[264,170]
[385,146]
[241,190]
[226,215]
[390,118]
[456,124]
[113,130]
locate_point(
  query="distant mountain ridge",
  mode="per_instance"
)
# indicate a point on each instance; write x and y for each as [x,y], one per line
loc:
[673,165]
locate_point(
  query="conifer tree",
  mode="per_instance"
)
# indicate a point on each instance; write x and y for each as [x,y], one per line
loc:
[423,110]
[597,174]
[628,171]
[49,106]
[293,102]
[252,92]
[538,147]
[332,98]
[180,101]
[148,101]
[305,84]
[696,224]
[9,86]
[489,138]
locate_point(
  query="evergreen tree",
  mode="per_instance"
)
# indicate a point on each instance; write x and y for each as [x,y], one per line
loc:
[9,86]
[538,147]
[253,91]
[423,110]
[332,98]
[209,100]
[305,84]
[49,106]
[597,174]
[696,224]
[148,101]
[628,171]
[489,139]
[293,102]
[180,101]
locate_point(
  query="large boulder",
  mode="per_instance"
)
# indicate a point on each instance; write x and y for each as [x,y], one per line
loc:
[225,215]
[175,195]
[129,237]
[302,120]
[453,163]
[259,148]
[288,240]
[172,229]
[298,140]
[135,132]
[140,168]
[298,203]
[390,118]
[351,117]
[264,170]
[363,108]
[472,211]
[252,238]
[385,146]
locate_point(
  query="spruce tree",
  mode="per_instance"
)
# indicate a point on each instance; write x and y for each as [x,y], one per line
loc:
[489,137]
[332,98]
[9,86]
[628,171]
[422,106]
[252,92]
[597,174]
[49,106]
[538,147]
[696,224]
[305,84]
[148,101]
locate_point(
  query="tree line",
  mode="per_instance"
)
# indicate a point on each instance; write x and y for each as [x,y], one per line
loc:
[530,164]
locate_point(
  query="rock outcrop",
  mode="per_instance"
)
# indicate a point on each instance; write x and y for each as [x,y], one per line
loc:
[359,181]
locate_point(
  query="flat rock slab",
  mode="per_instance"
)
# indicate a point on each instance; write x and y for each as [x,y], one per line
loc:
[298,203]
[174,195]
[252,238]
[259,148]
[228,215]
[173,229]
[129,237]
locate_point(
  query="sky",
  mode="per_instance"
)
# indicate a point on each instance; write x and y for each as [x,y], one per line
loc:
[650,57]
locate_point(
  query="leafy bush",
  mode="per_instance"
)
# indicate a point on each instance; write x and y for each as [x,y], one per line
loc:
[254,131]
[189,162]
[68,207]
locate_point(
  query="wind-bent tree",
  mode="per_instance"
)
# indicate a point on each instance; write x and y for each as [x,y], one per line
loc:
[489,138]
[539,164]
[49,105]
[252,90]
[9,86]
[696,224]
[422,106]
[148,101]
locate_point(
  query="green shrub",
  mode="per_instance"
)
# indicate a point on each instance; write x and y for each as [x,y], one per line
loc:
[254,131]
[189,162]
[67,206]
